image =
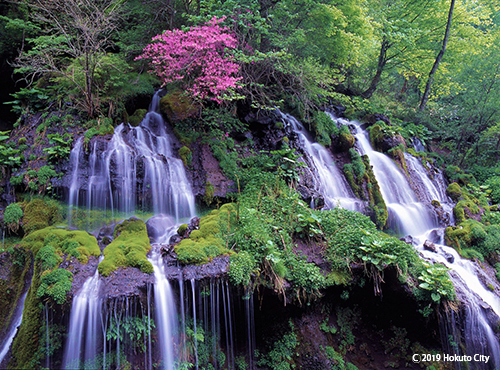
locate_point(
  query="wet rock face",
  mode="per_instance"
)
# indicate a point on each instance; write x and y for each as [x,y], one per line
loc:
[429,246]
[126,282]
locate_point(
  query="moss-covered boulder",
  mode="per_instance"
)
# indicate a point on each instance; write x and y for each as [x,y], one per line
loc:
[177,106]
[206,242]
[345,140]
[128,249]
[454,191]
[384,137]
[39,214]
[76,243]
[137,117]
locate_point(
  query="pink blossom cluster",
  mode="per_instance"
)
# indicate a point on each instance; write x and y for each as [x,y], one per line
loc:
[198,57]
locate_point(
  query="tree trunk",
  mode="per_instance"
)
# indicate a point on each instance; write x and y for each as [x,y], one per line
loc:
[425,98]
[382,60]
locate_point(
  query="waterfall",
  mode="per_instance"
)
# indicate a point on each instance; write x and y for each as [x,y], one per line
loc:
[17,317]
[81,344]
[166,313]
[415,219]
[406,214]
[136,171]
[330,182]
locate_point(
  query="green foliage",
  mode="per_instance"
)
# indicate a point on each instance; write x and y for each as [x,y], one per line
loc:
[473,239]
[494,185]
[337,360]
[206,242]
[99,126]
[55,284]
[12,215]
[435,283]
[242,267]
[131,331]
[29,100]
[128,248]
[281,352]
[324,128]
[8,155]
[454,173]
[60,148]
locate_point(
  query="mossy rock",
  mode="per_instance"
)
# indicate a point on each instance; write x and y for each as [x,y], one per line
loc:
[73,242]
[346,141]
[128,249]
[435,203]
[182,229]
[186,155]
[136,118]
[177,106]
[454,191]
[206,242]
[39,214]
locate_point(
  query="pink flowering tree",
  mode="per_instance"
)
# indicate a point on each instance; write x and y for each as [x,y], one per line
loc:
[199,58]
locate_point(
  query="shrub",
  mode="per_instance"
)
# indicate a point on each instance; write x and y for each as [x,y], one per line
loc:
[12,215]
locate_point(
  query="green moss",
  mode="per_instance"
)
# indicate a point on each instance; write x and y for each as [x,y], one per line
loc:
[21,141]
[63,241]
[206,242]
[128,249]
[209,193]
[182,229]
[40,213]
[346,139]
[324,128]
[186,155]
[18,261]
[137,117]
[177,106]
[435,203]
[454,191]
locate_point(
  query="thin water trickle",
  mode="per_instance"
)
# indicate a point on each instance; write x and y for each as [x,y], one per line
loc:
[15,323]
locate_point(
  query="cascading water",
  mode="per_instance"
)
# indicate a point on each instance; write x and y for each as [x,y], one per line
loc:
[84,325]
[415,219]
[330,182]
[135,172]
[166,313]
[15,323]
[406,214]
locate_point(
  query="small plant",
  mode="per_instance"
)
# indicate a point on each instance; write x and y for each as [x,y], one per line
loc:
[436,282]
[12,215]
[60,149]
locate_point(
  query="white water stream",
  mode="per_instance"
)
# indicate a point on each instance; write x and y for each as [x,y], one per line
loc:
[414,218]
[330,182]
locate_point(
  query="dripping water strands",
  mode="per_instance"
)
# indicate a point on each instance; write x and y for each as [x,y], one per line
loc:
[81,344]
[15,323]
[330,182]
